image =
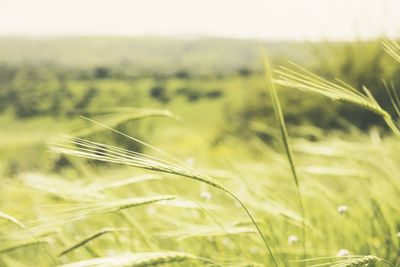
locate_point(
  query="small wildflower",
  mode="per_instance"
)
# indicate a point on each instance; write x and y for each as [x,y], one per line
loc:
[343,253]
[292,240]
[151,211]
[228,243]
[195,214]
[254,250]
[110,252]
[206,195]
[190,161]
[342,209]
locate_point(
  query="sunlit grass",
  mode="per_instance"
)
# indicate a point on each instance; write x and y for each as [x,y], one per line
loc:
[294,201]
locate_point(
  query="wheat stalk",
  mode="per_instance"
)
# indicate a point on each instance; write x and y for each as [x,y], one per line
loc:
[118,116]
[144,259]
[75,212]
[285,139]
[347,261]
[98,151]
[302,79]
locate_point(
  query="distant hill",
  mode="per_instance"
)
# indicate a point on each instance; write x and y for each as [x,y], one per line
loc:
[149,54]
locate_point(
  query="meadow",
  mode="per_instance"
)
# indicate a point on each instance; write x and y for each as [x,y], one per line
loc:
[175,152]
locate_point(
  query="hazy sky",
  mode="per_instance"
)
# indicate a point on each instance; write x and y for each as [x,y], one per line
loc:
[272,19]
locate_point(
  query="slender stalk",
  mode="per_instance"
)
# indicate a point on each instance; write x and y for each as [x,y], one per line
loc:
[87,240]
[102,152]
[285,138]
[255,224]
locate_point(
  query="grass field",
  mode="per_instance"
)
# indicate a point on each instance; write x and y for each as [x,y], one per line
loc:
[232,167]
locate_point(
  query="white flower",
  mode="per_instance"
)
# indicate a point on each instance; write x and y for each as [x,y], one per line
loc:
[398,235]
[228,243]
[206,195]
[292,240]
[342,209]
[190,161]
[343,252]
[111,252]
[151,211]
[254,250]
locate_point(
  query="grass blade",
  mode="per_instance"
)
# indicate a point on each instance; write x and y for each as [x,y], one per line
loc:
[76,212]
[117,116]
[98,151]
[88,239]
[11,219]
[285,139]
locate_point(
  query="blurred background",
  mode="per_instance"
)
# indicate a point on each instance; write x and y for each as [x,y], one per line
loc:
[187,76]
[199,59]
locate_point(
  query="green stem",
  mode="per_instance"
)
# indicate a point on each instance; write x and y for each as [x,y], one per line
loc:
[255,224]
[285,139]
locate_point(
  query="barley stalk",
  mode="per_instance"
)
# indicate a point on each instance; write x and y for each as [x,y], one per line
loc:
[118,116]
[98,151]
[285,139]
[300,78]
[75,212]
[347,261]
[144,259]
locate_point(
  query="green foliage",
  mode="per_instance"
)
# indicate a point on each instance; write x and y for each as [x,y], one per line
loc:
[239,200]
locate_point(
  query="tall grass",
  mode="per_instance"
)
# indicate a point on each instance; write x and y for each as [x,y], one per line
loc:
[285,139]
[302,79]
[145,259]
[98,215]
[299,78]
[103,152]
[89,239]
[346,261]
